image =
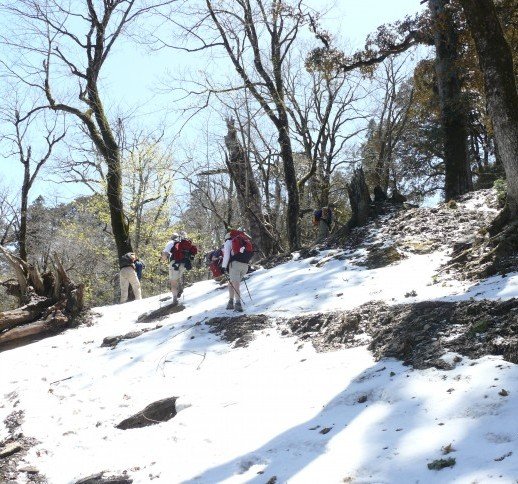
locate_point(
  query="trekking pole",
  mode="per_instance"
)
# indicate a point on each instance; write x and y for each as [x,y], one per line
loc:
[249,295]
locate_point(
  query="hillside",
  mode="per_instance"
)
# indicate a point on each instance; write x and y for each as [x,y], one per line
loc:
[369,363]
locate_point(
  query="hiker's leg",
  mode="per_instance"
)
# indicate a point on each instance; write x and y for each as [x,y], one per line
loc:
[135,285]
[230,290]
[124,283]
[235,274]
[175,275]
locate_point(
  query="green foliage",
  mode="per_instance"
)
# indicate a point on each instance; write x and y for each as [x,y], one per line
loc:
[479,327]
[500,186]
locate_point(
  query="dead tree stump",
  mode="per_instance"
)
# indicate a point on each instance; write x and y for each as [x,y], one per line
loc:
[49,302]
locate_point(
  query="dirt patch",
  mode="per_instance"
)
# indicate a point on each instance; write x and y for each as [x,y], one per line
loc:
[11,465]
[239,330]
[379,256]
[419,334]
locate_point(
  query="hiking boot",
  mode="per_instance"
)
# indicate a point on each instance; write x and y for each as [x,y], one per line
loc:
[230,304]
[175,301]
[180,291]
[238,307]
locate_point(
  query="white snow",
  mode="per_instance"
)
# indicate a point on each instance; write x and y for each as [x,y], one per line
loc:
[249,414]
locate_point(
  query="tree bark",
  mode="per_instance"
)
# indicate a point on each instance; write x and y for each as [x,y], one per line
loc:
[359,199]
[249,197]
[290,177]
[453,107]
[496,63]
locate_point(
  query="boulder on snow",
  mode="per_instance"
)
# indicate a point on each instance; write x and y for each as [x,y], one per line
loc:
[156,412]
[10,449]
[382,256]
[150,316]
[238,330]
[113,341]
[99,479]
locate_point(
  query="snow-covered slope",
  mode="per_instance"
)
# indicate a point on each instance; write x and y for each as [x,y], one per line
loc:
[275,410]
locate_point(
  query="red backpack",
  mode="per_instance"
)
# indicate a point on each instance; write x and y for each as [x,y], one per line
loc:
[242,248]
[182,250]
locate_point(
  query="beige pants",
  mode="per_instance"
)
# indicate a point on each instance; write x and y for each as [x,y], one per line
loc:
[129,276]
[323,230]
[237,271]
[176,274]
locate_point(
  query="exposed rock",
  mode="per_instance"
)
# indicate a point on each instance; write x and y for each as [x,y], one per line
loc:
[14,448]
[439,464]
[29,470]
[10,449]
[150,316]
[382,257]
[419,334]
[238,330]
[99,479]
[113,341]
[155,413]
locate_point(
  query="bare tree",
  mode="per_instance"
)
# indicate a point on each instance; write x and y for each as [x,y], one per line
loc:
[52,131]
[257,35]
[77,39]
[387,128]
[9,219]
[326,116]
[240,170]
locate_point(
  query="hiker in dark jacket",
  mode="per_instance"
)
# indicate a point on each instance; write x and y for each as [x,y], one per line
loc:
[139,267]
[128,277]
[323,219]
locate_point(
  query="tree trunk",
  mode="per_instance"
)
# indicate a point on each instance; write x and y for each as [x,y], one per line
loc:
[290,177]
[453,109]
[119,223]
[359,199]
[249,197]
[496,63]
[22,234]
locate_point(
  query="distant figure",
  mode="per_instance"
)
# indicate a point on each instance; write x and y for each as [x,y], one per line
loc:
[128,276]
[323,219]
[179,252]
[214,260]
[237,252]
[139,267]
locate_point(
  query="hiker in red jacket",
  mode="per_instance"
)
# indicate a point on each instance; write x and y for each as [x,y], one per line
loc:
[237,252]
[180,252]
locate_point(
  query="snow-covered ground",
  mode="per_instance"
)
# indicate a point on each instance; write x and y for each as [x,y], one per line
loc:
[275,408]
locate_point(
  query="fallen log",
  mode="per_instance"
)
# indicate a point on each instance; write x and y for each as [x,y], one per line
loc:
[25,314]
[49,301]
[52,323]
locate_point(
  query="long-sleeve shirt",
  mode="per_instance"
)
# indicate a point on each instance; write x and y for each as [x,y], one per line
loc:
[227,252]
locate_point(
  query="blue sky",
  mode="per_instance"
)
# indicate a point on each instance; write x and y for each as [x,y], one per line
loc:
[133,78]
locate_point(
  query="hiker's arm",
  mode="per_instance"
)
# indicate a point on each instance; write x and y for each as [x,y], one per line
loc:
[226,253]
